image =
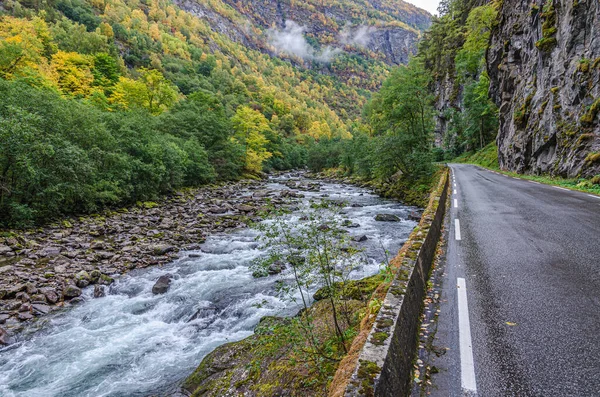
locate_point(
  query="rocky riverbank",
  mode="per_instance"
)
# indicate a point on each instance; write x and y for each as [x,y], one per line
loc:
[45,269]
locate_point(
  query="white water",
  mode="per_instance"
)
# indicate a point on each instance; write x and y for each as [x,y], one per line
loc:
[133,343]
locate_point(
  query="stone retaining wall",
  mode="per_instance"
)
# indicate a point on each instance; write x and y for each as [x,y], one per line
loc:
[385,363]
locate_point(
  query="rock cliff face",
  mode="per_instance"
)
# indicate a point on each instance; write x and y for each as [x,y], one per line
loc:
[544,65]
[384,30]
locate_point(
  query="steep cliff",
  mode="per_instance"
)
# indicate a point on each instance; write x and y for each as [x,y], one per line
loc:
[384,30]
[544,67]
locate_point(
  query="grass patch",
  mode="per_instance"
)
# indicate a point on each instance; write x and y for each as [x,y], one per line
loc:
[488,158]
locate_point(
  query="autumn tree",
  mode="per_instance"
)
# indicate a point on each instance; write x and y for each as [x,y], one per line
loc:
[250,127]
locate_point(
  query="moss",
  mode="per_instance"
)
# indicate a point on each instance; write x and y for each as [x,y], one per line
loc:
[584,137]
[385,323]
[588,118]
[595,180]
[596,63]
[353,289]
[379,337]
[584,65]
[367,372]
[592,158]
[546,44]
[521,116]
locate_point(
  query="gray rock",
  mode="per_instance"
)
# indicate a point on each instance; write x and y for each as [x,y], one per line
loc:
[204,312]
[4,317]
[162,284]
[360,239]
[276,267]
[50,294]
[40,308]
[71,292]
[414,216]
[161,249]
[387,218]
[5,339]
[4,249]
[5,269]
[99,291]
[25,316]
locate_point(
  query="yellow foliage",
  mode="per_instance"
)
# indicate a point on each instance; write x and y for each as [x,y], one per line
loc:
[72,73]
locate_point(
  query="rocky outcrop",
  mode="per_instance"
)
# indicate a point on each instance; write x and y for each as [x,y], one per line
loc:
[544,65]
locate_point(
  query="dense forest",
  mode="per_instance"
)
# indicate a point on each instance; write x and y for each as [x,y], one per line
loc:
[108,102]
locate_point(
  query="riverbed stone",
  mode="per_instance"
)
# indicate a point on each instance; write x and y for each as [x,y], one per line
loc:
[387,218]
[360,239]
[71,291]
[25,316]
[50,294]
[40,308]
[276,267]
[162,249]
[162,284]
[99,291]
[5,338]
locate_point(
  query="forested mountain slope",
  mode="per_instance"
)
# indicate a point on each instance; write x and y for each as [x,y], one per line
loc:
[150,97]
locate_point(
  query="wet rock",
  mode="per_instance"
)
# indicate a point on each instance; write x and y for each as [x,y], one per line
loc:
[4,317]
[414,216]
[25,307]
[387,218]
[356,205]
[99,291]
[244,208]
[204,312]
[23,296]
[71,292]
[5,249]
[25,316]
[276,267]
[5,339]
[217,210]
[50,294]
[162,284]
[31,289]
[161,249]
[5,269]
[40,308]
[360,239]
[82,279]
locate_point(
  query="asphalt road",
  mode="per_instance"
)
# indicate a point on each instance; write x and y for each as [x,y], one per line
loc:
[529,255]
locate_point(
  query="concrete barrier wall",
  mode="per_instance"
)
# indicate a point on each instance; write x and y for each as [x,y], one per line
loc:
[385,363]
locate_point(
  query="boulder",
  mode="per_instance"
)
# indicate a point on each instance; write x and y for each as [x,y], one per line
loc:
[25,316]
[276,267]
[50,294]
[162,284]
[414,216]
[162,249]
[360,239]
[71,291]
[40,308]
[387,218]
[5,339]
[204,312]
[4,249]
[4,317]
[82,279]
[99,291]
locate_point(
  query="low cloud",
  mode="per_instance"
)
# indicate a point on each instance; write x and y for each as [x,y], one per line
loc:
[291,40]
[360,36]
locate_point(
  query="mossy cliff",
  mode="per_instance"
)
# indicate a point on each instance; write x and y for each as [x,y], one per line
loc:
[544,68]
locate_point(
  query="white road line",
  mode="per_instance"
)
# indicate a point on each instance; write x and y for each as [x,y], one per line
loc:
[467,366]
[591,195]
[457,229]
[561,188]
[456,203]
[535,182]
[454,191]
